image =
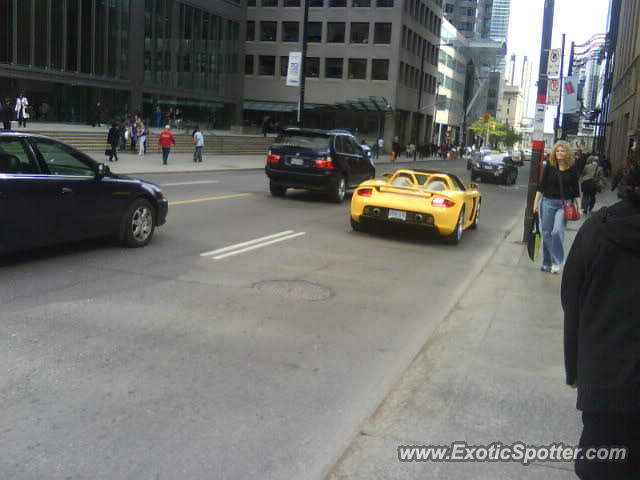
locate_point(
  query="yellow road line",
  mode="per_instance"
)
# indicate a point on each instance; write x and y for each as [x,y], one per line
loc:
[208,199]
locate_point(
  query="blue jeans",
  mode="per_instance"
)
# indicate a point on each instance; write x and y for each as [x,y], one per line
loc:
[165,154]
[553,226]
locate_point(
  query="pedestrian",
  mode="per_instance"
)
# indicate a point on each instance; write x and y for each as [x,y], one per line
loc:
[559,185]
[97,115]
[113,138]
[165,140]
[411,149]
[22,110]
[133,134]
[395,148]
[581,161]
[158,116]
[380,145]
[6,114]
[602,332]
[141,131]
[198,142]
[123,136]
[591,182]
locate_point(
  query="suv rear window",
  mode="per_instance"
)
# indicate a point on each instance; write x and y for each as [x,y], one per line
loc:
[315,142]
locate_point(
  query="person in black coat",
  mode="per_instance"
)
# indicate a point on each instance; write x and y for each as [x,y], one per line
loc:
[113,138]
[602,329]
[6,113]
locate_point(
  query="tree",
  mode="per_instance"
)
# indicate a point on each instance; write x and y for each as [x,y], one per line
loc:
[489,128]
[511,137]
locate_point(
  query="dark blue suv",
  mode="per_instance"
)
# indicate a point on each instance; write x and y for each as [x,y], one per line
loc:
[330,162]
[51,193]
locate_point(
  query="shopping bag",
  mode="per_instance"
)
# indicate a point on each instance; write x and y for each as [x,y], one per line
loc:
[534,238]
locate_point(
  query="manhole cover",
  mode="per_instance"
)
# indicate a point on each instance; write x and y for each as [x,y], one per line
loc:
[298,289]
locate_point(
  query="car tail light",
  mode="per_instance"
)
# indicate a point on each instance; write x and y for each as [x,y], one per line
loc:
[324,163]
[271,158]
[442,202]
[365,192]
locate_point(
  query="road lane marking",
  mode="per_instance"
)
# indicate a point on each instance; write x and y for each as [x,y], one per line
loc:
[244,244]
[260,245]
[208,199]
[179,184]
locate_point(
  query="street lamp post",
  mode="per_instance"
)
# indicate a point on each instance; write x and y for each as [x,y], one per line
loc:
[303,63]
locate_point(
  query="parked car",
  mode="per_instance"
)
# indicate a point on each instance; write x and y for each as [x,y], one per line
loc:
[359,139]
[495,166]
[330,162]
[52,193]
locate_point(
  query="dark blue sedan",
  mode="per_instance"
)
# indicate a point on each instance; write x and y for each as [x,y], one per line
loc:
[51,193]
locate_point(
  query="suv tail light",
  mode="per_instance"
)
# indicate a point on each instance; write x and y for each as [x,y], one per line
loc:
[442,202]
[324,163]
[272,159]
[365,192]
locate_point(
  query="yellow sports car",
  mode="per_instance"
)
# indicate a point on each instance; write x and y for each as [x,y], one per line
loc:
[429,199]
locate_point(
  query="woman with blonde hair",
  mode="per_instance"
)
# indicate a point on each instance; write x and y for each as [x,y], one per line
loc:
[559,185]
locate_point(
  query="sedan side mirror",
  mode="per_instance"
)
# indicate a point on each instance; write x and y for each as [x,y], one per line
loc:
[103,171]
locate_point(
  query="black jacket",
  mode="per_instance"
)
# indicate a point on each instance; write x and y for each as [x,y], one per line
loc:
[113,137]
[600,293]
[550,183]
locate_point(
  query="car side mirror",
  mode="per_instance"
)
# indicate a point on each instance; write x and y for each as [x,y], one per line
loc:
[473,186]
[387,175]
[103,171]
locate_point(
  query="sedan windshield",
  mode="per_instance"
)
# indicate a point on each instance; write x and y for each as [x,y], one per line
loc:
[493,158]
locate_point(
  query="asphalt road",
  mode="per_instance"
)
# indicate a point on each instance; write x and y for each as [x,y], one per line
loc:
[161,363]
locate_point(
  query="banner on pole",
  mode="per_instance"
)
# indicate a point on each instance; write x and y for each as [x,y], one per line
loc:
[293,72]
[570,104]
[553,94]
[553,66]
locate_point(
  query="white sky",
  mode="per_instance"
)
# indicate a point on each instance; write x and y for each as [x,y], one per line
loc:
[579,19]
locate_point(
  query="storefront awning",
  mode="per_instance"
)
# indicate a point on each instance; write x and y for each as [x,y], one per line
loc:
[369,104]
[264,106]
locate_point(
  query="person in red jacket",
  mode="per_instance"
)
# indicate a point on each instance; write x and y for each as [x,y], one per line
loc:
[166,140]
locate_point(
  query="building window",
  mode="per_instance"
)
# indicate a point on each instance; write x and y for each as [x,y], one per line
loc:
[251,3]
[384,3]
[448,8]
[335,32]
[267,65]
[269,3]
[379,69]
[312,67]
[333,67]
[284,66]
[248,64]
[290,31]
[316,3]
[291,3]
[268,31]
[359,33]
[360,3]
[358,68]
[314,32]
[251,31]
[382,33]
[337,3]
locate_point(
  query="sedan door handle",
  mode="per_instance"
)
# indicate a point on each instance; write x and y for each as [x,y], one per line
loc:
[66,190]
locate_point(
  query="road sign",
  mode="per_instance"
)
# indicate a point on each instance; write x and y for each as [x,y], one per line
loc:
[553,68]
[293,73]
[553,94]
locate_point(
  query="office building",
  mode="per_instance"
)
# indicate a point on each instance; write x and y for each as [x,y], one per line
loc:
[472,18]
[128,55]
[499,27]
[364,65]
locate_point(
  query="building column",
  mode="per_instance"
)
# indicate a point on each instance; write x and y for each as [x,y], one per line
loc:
[136,53]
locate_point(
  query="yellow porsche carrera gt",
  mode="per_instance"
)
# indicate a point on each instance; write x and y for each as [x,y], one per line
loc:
[428,199]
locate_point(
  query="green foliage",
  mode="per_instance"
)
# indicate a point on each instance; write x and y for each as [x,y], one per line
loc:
[497,131]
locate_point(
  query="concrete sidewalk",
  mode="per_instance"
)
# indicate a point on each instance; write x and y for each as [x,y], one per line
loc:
[493,371]
[131,163]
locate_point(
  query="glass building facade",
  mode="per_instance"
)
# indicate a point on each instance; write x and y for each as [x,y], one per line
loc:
[129,55]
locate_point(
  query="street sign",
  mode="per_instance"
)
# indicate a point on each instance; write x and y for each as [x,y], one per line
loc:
[538,122]
[570,104]
[293,73]
[553,68]
[553,93]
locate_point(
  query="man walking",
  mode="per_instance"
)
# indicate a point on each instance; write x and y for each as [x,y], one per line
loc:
[198,141]
[166,140]
[7,114]
[22,114]
[113,138]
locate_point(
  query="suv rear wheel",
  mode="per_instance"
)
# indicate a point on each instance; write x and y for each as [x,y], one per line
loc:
[337,189]
[277,190]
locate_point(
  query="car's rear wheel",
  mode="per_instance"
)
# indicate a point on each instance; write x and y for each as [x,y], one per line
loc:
[476,220]
[455,237]
[337,189]
[138,224]
[277,190]
[357,226]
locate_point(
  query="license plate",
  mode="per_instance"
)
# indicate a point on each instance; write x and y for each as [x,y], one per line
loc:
[397,215]
[297,161]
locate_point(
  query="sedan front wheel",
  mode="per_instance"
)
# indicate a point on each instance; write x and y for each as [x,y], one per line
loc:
[138,224]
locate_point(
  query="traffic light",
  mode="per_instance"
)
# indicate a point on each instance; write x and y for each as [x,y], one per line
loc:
[485,118]
[493,126]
